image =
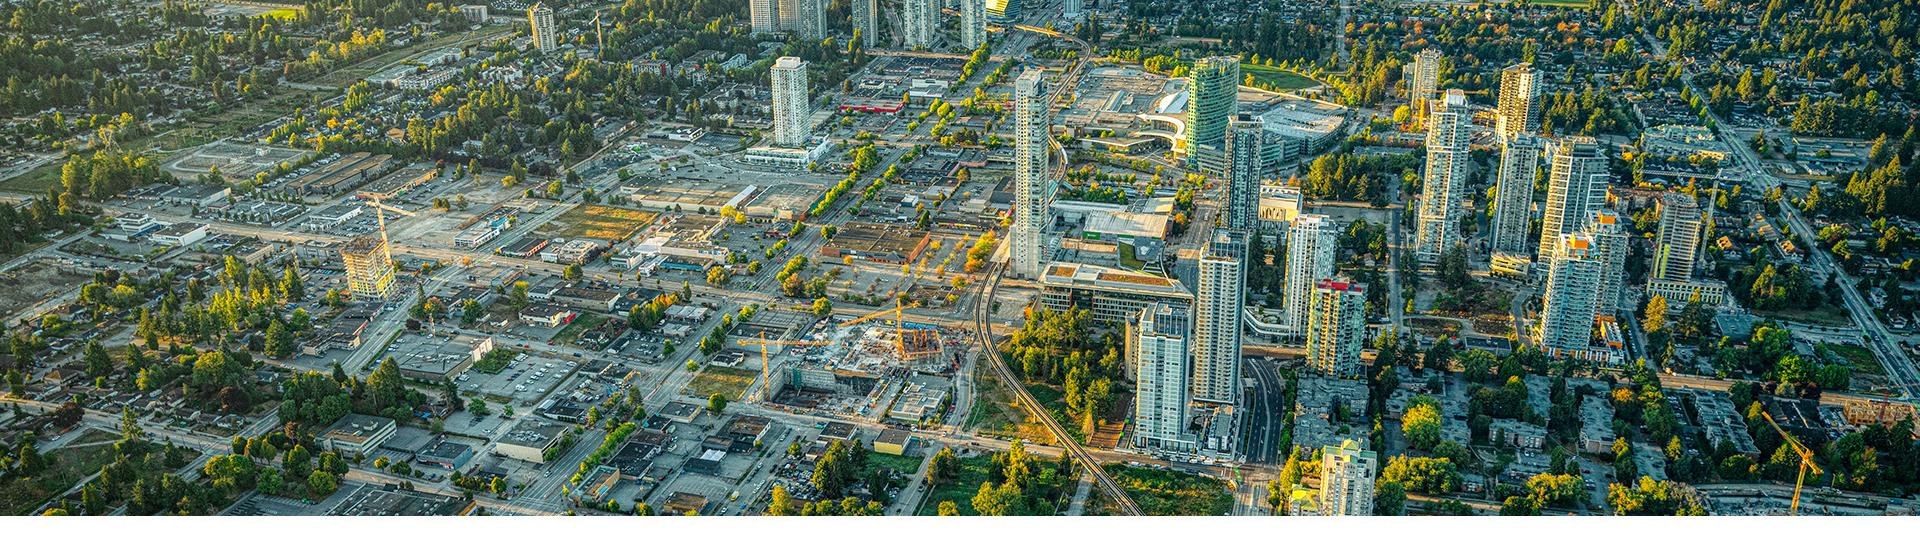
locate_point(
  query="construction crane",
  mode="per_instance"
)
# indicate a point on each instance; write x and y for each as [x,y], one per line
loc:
[901,335]
[1806,461]
[373,199]
[766,370]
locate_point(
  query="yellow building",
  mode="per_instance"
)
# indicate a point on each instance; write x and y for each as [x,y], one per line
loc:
[369,267]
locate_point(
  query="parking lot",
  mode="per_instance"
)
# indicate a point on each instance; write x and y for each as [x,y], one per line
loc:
[525,379]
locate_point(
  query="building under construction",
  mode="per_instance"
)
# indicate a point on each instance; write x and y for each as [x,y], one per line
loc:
[855,369]
[369,267]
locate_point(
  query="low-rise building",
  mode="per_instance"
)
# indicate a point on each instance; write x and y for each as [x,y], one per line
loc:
[357,434]
[530,440]
[180,234]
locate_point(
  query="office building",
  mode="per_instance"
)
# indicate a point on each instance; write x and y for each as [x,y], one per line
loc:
[1518,110]
[1157,351]
[1609,233]
[369,267]
[540,19]
[1033,193]
[1213,88]
[918,21]
[1677,245]
[763,16]
[973,23]
[1217,307]
[1449,158]
[1107,294]
[1336,327]
[1423,81]
[866,21]
[1245,139]
[1311,242]
[791,109]
[1513,194]
[1072,10]
[1572,297]
[1346,480]
[1576,185]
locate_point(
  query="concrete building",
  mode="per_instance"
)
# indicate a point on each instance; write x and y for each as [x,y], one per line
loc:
[357,434]
[918,21]
[1449,160]
[1572,297]
[1213,88]
[1108,295]
[804,18]
[791,109]
[1513,194]
[1004,10]
[1072,10]
[1218,307]
[1337,327]
[763,16]
[530,440]
[1157,353]
[1519,105]
[1033,193]
[545,34]
[1609,233]
[866,21]
[973,23]
[1246,139]
[1312,240]
[1346,480]
[185,233]
[1576,185]
[1423,81]
[1677,245]
[369,267]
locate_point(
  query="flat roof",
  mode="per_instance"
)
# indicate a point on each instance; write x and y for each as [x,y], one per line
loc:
[1095,277]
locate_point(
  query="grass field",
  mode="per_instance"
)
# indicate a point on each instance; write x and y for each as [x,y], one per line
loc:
[1270,78]
[1860,359]
[35,181]
[65,466]
[600,222]
[1826,315]
[1172,493]
[995,413]
[720,379]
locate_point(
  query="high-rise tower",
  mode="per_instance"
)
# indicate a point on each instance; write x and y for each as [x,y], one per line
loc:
[1513,194]
[1157,344]
[866,21]
[1519,108]
[1213,88]
[1677,245]
[1346,480]
[1311,242]
[973,23]
[791,109]
[1217,317]
[1572,296]
[540,20]
[1246,138]
[918,20]
[1449,148]
[1033,193]
[1336,327]
[1609,233]
[1576,185]
[1423,81]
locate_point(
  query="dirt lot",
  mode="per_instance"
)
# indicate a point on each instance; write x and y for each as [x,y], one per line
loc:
[599,222]
[36,281]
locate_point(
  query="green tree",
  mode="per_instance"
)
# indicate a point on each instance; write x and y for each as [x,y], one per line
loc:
[717,403]
[1421,423]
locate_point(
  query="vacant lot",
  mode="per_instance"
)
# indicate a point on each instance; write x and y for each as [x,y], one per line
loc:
[723,380]
[599,222]
[36,281]
[1172,493]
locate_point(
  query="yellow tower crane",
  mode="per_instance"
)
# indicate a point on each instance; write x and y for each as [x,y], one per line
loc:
[766,370]
[1806,461]
[901,334]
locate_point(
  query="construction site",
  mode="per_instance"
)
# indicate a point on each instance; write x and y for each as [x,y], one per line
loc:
[877,366]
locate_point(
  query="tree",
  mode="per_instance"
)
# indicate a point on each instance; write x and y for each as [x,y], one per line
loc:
[822,307]
[1432,476]
[1006,500]
[572,272]
[279,340]
[1654,498]
[1389,499]
[717,403]
[949,509]
[943,467]
[781,505]
[1421,423]
[322,484]
[1654,318]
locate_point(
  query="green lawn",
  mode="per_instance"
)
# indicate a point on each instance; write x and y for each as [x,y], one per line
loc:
[1825,315]
[35,181]
[65,466]
[1172,493]
[1277,79]
[1128,259]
